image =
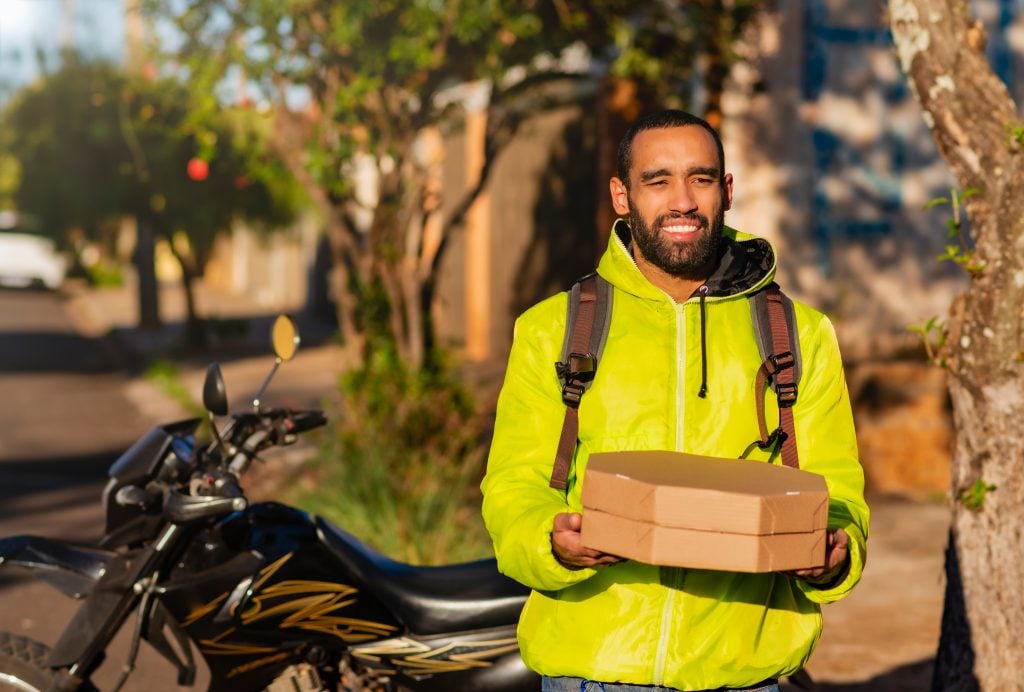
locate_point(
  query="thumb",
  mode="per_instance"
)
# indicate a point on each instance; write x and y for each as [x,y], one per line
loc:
[568,522]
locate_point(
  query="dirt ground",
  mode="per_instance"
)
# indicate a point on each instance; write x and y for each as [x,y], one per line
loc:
[883,636]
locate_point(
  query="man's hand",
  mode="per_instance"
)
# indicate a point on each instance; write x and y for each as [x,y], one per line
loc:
[836,553]
[568,550]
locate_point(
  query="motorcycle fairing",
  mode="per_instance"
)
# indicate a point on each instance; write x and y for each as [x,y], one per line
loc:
[155,454]
[72,569]
[296,603]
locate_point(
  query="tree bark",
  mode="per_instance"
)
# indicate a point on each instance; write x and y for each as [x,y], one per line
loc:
[972,116]
[195,329]
[145,266]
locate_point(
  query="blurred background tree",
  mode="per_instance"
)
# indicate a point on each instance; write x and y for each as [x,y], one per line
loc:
[359,83]
[94,144]
[979,131]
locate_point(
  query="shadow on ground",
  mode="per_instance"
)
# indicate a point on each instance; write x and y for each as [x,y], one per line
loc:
[22,481]
[912,677]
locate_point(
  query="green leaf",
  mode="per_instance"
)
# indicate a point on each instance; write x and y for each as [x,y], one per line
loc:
[973,498]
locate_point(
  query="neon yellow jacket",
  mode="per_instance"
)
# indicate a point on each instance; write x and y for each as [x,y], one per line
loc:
[638,623]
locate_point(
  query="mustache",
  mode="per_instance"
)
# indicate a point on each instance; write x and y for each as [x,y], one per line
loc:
[694,218]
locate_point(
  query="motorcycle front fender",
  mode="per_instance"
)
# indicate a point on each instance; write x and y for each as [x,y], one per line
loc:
[72,569]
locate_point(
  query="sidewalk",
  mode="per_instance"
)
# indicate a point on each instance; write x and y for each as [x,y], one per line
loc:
[882,638]
[241,345]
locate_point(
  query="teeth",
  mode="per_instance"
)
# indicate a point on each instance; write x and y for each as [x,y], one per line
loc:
[681,229]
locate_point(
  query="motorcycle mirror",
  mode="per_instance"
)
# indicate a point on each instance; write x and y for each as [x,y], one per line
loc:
[215,397]
[285,338]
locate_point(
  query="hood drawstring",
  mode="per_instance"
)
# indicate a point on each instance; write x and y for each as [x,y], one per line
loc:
[703,393]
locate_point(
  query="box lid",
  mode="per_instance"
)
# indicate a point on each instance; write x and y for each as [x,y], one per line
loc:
[706,493]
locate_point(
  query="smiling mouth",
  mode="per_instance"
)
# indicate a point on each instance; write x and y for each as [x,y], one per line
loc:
[680,227]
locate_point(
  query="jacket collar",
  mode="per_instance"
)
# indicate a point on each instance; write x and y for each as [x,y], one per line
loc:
[748,264]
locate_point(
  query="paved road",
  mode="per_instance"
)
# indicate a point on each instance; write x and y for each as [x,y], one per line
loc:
[64,417]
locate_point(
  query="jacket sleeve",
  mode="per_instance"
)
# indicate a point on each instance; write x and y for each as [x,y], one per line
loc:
[518,506]
[827,444]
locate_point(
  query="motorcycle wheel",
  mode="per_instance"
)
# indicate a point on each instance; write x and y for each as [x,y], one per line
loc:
[22,664]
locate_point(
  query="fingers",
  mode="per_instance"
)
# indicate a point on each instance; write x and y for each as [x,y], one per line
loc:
[837,544]
[569,549]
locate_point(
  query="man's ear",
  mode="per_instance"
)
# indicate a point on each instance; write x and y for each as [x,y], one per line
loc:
[620,196]
[727,192]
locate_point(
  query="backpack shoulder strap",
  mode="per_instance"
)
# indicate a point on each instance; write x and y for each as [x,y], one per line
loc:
[588,316]
[778,342]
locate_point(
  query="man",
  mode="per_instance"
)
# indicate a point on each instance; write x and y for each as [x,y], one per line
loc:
[676,373]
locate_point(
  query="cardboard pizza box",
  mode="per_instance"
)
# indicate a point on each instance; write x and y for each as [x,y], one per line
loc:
[685,510]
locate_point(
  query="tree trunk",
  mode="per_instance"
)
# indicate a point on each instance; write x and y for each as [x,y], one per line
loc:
[145,267]
[195,329]
[972,117]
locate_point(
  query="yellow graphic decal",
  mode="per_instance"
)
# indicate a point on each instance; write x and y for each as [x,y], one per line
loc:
[251,665]
[311,609]
[199,612]
[418,658]
[216,647]
[307,605]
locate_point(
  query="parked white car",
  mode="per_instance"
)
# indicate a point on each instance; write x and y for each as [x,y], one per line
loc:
[28,260]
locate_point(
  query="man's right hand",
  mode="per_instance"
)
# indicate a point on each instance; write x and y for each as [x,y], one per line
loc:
[569,550]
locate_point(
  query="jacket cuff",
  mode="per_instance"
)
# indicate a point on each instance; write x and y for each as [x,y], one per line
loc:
[543,572]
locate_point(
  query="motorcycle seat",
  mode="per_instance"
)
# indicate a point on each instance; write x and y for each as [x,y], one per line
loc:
[430,600]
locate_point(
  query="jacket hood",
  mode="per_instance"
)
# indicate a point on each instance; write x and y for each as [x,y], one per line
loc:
[747,264]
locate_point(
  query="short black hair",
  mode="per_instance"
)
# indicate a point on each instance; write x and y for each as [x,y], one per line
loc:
[656,121]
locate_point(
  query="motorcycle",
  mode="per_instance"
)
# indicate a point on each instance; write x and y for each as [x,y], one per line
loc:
[270,597]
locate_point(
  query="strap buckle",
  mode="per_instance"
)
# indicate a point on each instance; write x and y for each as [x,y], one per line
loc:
[572,392]
[786,392]
[778,435]
[580,367]
[779,362]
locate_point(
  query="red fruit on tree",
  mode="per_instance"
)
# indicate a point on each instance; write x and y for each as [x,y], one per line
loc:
[197,169]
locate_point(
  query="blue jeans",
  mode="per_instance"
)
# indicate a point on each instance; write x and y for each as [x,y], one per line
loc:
[581,685]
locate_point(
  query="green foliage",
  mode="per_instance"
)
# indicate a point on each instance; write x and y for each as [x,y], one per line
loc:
[166,376]
[960,252]
[10,174]
[1016,132]
[932,345]
[105,273]
[401,470]
[973,498]
[94,143]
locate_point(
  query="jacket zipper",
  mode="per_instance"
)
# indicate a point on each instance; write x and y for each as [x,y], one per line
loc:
[666,612]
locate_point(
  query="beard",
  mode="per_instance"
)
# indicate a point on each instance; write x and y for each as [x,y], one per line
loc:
[693,260]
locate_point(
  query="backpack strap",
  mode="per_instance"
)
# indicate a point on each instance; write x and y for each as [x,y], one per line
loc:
[588,315]
[779,345]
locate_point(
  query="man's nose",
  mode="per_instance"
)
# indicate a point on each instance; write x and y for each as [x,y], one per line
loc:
[682,200]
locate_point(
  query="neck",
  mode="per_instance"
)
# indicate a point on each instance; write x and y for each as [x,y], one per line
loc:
[679,289]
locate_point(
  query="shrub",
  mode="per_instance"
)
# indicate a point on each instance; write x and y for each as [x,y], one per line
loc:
[401,469]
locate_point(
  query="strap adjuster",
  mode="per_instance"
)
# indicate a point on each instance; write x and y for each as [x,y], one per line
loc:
[572,392]
[779,362]
[580,367]
[778,435]
[786,392]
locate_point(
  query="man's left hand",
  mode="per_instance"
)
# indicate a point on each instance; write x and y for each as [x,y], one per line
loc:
[837,551]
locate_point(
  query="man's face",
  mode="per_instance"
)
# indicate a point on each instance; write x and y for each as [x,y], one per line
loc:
[676,200]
